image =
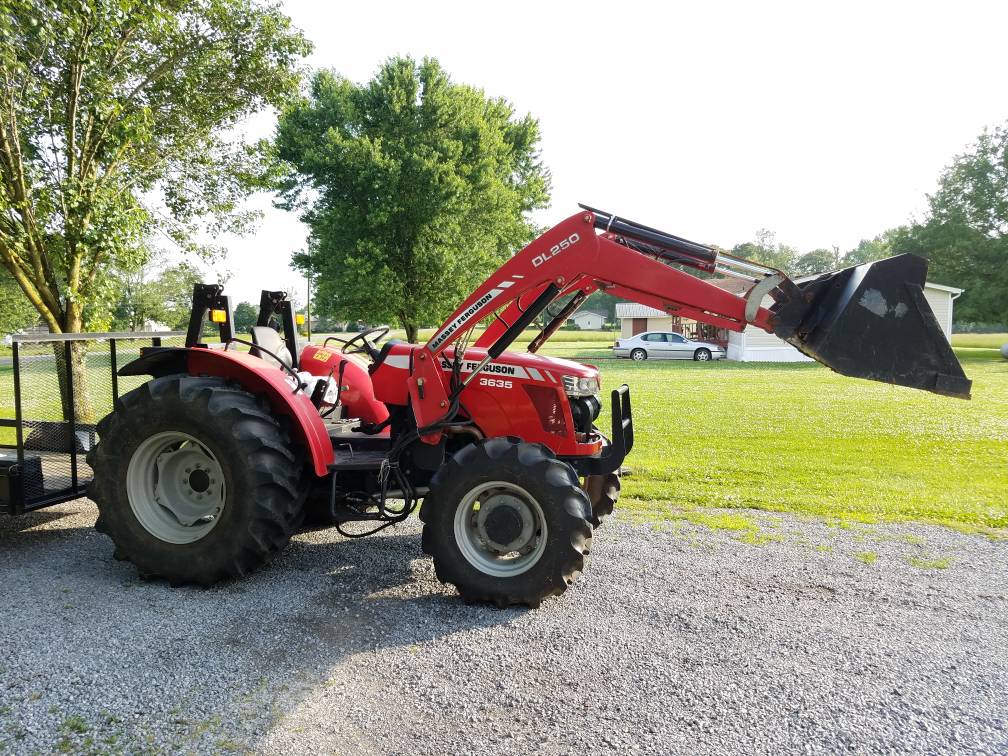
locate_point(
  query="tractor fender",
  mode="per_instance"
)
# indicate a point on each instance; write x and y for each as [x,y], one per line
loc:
[254,375]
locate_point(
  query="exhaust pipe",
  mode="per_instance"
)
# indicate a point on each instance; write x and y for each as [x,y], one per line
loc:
[872,321]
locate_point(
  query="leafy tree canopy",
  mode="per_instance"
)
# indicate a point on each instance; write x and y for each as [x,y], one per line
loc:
[965,236]
[245,316]
[16,312]
[414,188]
[166,299]
[113,119]
[765,249]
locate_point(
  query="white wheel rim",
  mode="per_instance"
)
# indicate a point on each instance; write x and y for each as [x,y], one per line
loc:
[474,529]
[175,487]
[638,355]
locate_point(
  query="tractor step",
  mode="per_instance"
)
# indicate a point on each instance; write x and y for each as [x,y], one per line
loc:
[342,439]
[350,458]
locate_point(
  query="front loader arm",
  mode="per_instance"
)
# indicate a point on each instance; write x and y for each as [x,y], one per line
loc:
[622,271]
[568,258]
[870,321]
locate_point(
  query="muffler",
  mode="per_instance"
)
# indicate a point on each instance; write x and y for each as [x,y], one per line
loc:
[872,321]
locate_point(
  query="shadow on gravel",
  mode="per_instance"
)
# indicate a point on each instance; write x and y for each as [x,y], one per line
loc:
[12,528]
[376,593]
[136,662]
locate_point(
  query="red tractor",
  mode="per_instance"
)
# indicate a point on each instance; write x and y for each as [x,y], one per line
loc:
[206,471]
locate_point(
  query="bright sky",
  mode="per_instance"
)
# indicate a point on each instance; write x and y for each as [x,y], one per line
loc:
[824,122]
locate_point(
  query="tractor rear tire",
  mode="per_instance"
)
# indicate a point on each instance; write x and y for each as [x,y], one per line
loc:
[506,523]
[603,492]
[157,466]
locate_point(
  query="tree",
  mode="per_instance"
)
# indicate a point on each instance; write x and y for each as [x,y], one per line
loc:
[166,299]
[414,188]
[139,301]
[766,250]
[245,316]
[973,191]
[113,119]
[965,236]
[175,286]
[16,312]
[817,261]
[870,250]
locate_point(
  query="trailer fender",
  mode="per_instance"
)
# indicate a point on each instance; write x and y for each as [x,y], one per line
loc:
[254,375]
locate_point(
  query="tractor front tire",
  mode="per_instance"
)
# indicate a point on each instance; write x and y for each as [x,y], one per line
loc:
[603,492]
[506,523]
[195,481]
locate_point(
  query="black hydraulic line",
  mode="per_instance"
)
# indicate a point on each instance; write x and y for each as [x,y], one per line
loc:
[559,319]
[661,239]
[523,321]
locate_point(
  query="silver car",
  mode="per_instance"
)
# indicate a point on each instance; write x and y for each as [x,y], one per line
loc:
[666,345]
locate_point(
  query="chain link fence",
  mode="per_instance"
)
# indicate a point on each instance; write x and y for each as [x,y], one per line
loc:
[53,391]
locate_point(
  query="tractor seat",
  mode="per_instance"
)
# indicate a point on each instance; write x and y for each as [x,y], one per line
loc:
[267,338]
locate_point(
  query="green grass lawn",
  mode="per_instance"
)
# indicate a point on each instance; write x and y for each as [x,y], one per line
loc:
[979,340]
[791,437]
[799,438]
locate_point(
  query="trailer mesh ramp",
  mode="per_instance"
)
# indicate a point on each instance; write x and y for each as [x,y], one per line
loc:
[53,390]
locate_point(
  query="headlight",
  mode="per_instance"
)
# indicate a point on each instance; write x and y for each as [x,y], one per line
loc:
[574,386]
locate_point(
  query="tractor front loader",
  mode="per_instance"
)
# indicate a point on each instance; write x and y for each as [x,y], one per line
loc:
[206,471]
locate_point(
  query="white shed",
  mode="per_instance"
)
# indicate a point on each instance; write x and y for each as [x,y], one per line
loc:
[588,320]
[756,345]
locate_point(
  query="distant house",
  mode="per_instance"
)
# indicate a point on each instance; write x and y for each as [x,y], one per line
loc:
[637,318]
[587,320]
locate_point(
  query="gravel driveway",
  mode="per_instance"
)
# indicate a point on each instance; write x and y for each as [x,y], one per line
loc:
[676,639]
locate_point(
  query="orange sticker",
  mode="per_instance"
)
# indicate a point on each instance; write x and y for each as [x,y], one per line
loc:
[322,355]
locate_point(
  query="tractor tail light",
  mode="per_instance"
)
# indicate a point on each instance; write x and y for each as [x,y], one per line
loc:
[549,405]
[218,316]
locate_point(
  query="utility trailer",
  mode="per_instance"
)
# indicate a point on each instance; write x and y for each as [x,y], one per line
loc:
[204,472]
[43,446]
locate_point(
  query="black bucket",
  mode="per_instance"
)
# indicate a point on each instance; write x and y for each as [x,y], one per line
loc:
[873,321]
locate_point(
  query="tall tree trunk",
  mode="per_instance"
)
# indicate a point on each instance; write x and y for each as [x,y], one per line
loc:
[411,332]
[76,403]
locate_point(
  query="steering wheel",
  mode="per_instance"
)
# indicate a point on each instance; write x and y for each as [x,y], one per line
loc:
[366,345]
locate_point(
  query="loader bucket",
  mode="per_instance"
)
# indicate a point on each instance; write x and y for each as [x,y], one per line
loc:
[872,321]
